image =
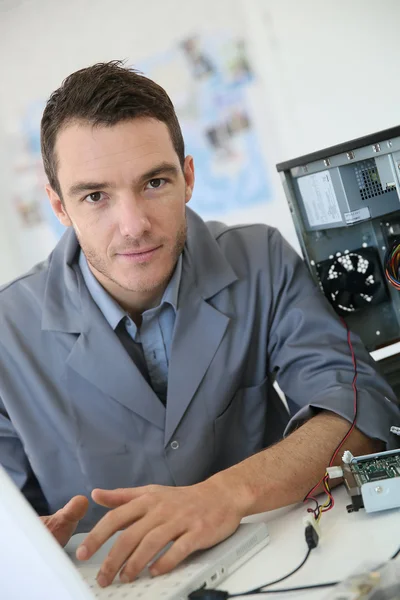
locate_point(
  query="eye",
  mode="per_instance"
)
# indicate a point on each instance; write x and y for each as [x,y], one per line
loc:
[155,184]
[94,197]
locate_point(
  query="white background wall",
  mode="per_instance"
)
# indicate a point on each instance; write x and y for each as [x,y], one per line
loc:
[327,72]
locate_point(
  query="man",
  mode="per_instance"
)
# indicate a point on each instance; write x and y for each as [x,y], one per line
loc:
[137,362]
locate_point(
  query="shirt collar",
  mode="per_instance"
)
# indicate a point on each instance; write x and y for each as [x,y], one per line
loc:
[171,293]
[111,310]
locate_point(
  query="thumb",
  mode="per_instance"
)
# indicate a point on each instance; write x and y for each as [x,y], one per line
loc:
[113,498]
[75,509]
[65,521]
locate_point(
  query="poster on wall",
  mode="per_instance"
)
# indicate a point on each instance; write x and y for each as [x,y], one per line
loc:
[28,194]
[209,79]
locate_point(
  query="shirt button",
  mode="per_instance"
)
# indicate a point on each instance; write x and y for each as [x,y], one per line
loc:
[128,322]
[174,445]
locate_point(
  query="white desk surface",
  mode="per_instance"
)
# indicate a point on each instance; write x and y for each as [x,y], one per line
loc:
[347,541]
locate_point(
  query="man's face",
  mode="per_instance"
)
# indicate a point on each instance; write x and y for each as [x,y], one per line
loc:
[124,193]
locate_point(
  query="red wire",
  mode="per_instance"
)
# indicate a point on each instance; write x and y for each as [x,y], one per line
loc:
[329,494]
[324,478]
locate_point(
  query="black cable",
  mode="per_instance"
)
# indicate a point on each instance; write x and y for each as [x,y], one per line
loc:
[312,539]
[317,585]
[304,587]
[301,588]
[312,542]
[260,589]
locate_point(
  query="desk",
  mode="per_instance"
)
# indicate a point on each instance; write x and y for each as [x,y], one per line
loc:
[347,541]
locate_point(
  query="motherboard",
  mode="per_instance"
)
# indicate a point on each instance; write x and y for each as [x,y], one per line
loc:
[373,481]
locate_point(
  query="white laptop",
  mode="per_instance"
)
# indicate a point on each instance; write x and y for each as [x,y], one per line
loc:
[35,567]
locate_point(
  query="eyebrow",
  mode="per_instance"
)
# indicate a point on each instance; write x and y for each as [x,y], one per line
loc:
[163,168]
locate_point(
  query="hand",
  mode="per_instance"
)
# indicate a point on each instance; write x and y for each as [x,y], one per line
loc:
[193,518]
[65,521]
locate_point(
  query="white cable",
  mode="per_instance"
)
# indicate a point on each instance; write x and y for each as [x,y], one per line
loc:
[334,472]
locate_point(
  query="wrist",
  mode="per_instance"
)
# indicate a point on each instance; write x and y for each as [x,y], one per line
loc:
[233,484]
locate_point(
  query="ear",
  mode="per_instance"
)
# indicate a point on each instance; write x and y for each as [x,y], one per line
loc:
[188,172]
[58,207]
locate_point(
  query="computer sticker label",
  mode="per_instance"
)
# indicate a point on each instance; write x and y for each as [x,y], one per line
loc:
[357,215]
[319,199]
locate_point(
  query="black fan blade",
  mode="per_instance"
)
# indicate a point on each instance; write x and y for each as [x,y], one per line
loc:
[359,301]
[344,298]
[330,285]
[340,268]
[370,269]
[369,290]
[354,260]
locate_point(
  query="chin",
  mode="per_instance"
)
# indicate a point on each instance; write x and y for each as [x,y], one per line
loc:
[138,287]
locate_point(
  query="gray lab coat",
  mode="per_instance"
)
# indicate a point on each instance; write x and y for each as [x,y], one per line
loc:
[76,413]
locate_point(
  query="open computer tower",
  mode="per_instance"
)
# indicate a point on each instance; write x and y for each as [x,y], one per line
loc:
[345,204]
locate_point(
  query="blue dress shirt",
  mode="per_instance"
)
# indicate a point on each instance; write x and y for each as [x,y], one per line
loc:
[150,345]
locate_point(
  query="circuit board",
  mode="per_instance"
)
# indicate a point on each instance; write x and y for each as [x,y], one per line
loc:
[375,468]
[372,480]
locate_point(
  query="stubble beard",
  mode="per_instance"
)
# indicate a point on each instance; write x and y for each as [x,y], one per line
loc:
[101,266]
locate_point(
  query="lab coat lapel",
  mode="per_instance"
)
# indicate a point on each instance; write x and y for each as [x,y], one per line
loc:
[97,354]
[99,357]
[199,327]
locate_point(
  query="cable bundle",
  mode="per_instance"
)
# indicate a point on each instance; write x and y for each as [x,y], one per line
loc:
[329,504]
[392,263]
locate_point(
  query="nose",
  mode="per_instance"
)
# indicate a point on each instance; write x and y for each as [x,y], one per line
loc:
[132,218]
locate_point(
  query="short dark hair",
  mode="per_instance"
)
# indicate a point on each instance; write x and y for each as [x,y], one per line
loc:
[104,94]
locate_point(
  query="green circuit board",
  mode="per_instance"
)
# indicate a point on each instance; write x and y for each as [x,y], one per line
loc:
[374,469]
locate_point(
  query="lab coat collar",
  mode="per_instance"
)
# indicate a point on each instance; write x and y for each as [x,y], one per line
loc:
[204,265]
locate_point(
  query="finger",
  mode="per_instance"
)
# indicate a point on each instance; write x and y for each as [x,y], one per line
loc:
[114,498]
[180,549]
[113,521]
[64,522]
[150,545]
[75,509]
[125,546]
[70,514]
[120,551]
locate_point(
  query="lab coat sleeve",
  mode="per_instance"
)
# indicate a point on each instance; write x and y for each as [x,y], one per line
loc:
[309,352]
[15,462]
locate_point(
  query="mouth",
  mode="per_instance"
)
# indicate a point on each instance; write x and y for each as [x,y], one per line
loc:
[139,256]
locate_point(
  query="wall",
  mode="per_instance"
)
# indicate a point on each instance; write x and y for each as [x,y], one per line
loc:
[326,73]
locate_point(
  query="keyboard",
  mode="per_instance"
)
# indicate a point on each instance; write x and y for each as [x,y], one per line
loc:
[172,586]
